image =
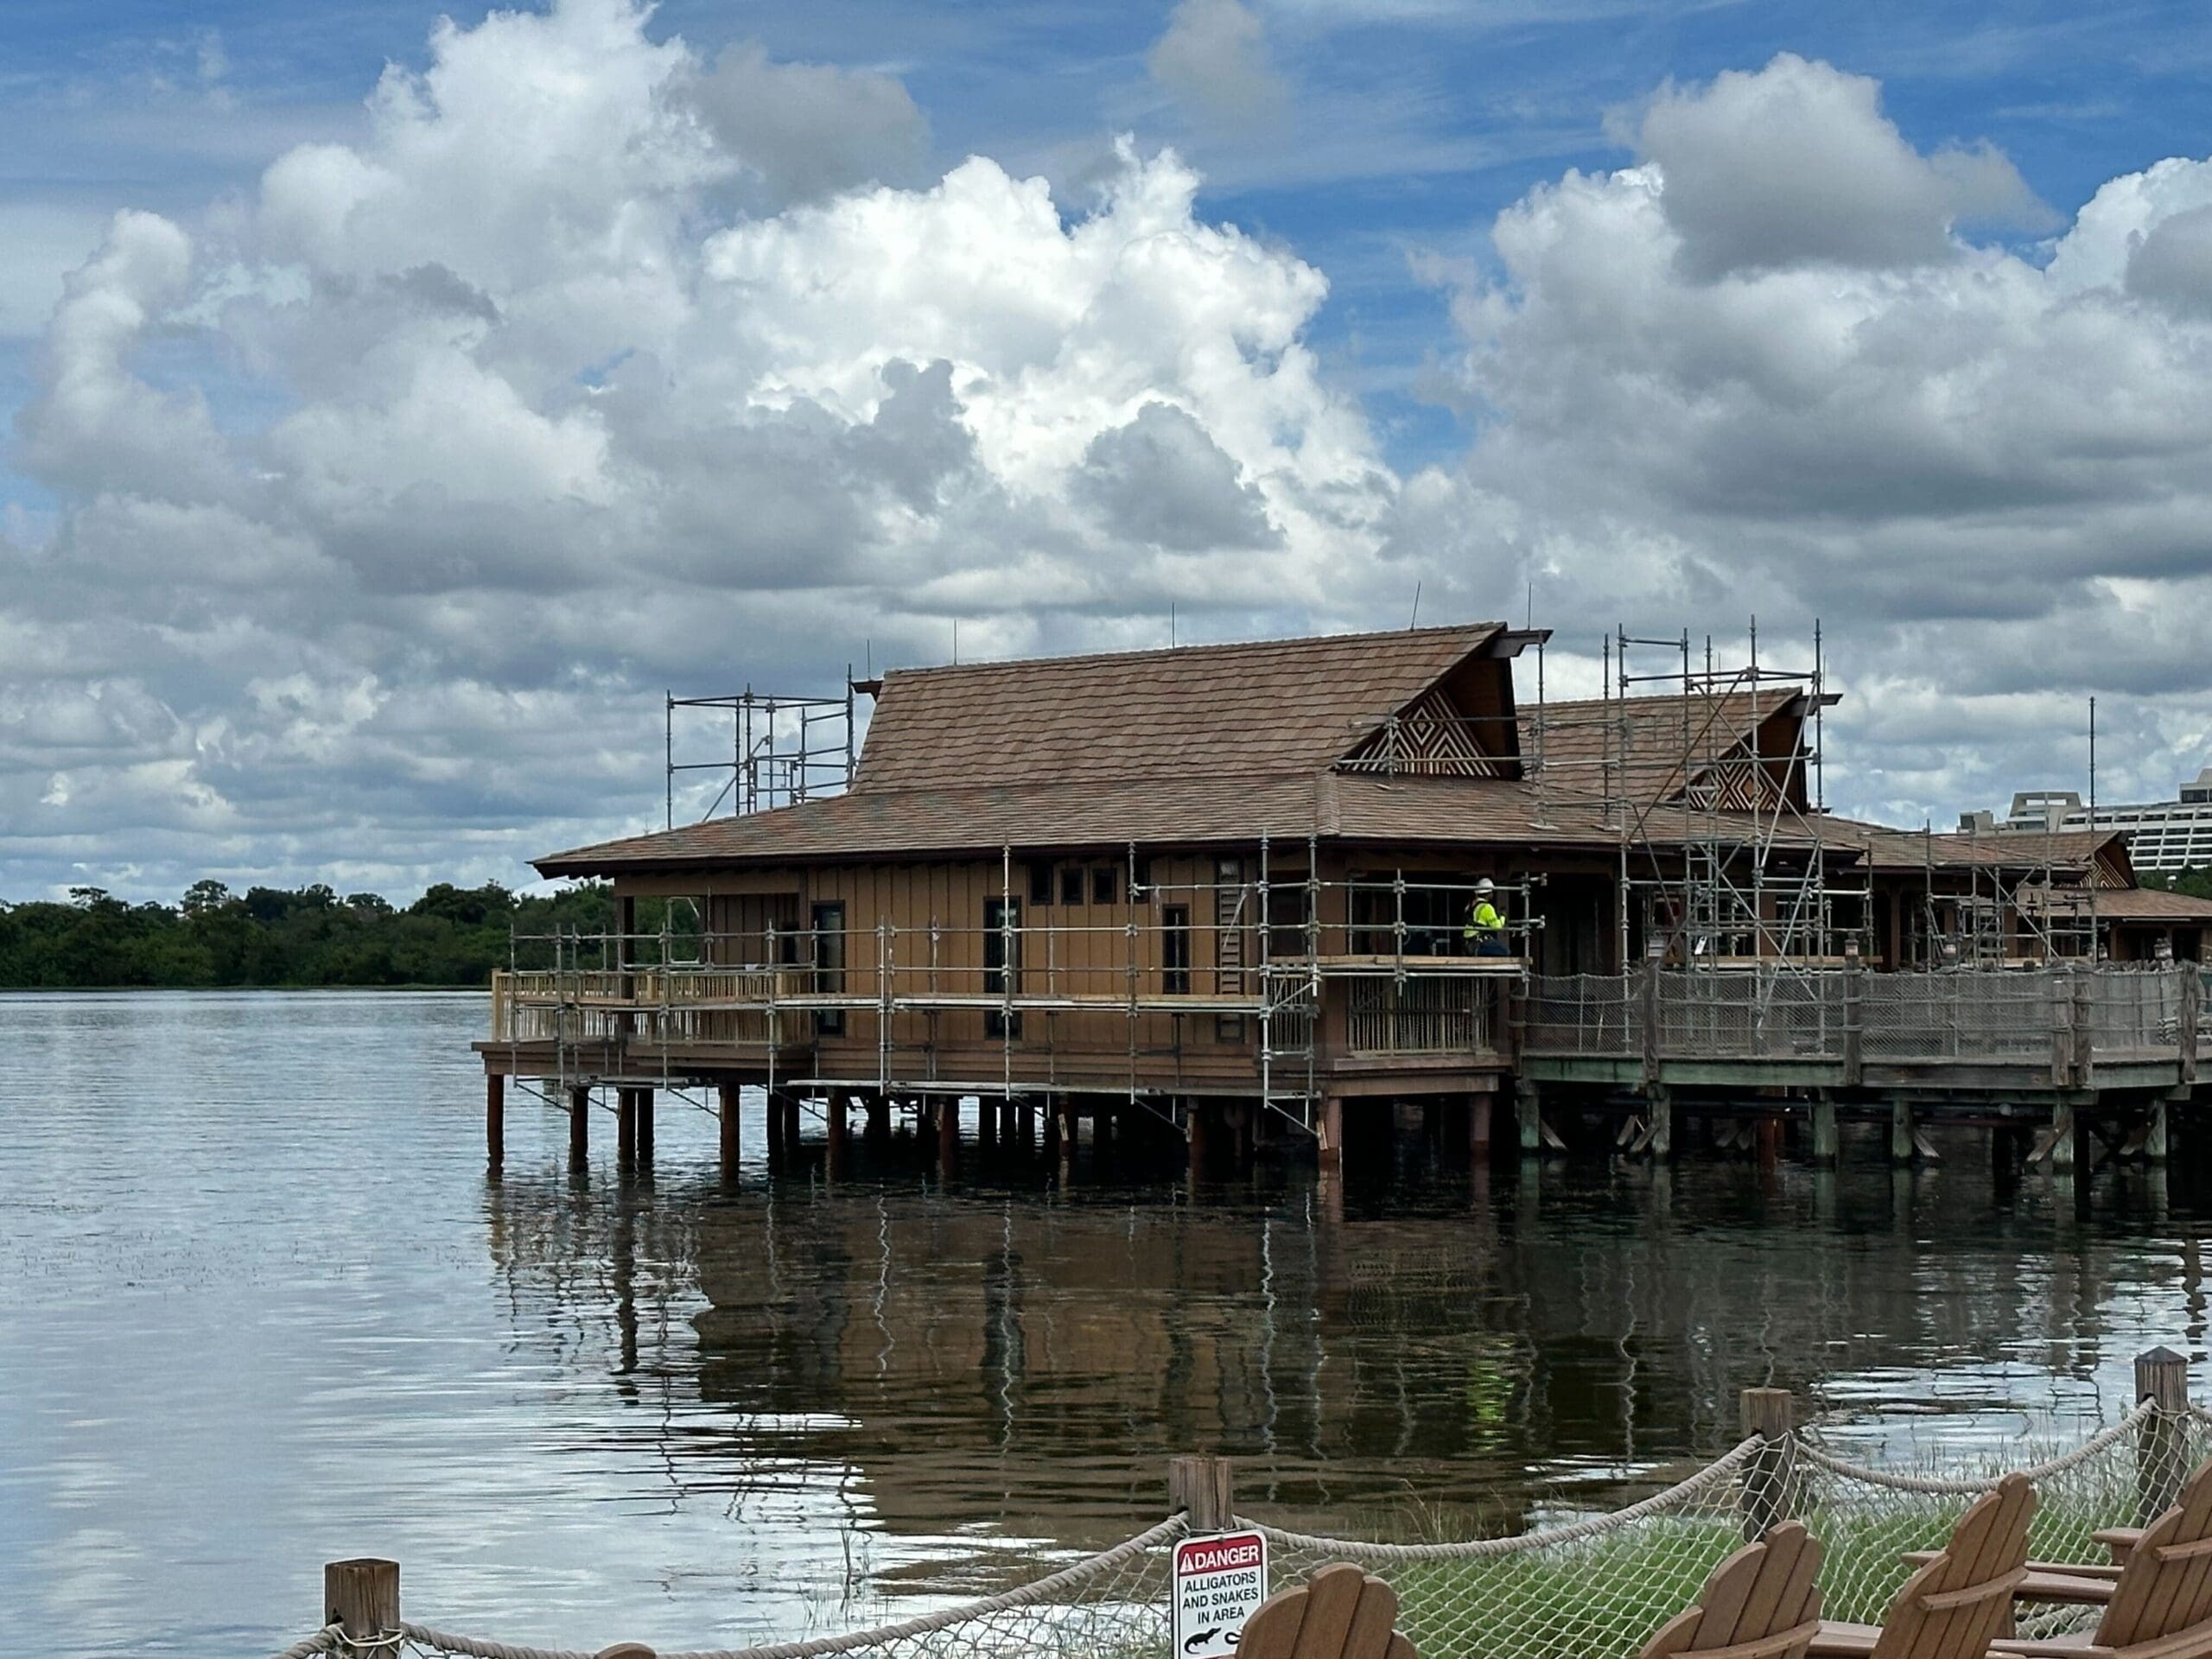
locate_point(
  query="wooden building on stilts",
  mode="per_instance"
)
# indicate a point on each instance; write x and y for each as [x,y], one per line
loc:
[1276,892]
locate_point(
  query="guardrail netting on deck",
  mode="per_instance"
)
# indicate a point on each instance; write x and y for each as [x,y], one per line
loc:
[1578,1585]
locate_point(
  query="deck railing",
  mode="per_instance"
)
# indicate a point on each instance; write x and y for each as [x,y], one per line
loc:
[2023,1015]
[1751,1016]
[1423,1016]
[677,1005]
[2068,1016]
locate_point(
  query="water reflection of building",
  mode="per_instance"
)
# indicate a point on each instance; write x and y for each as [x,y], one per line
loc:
[1017,1362]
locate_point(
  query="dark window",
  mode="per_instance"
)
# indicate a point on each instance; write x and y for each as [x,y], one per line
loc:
[1142,876]
[1040,886]
[1105,884]
[1001,955]
[829,966]
[1287,936]
[1175,950]
[1072,885]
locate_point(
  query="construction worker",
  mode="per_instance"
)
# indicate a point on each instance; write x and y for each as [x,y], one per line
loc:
[1485,929]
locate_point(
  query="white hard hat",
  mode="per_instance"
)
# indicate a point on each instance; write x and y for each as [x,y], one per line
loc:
[1483,885]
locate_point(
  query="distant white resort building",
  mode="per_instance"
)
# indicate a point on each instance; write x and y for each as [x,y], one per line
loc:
[2162,835]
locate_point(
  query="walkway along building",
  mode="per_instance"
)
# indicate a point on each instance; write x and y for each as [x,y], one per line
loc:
[1226,890]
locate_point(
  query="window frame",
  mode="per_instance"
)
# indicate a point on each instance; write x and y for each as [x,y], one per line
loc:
[1175,950]
[826,928]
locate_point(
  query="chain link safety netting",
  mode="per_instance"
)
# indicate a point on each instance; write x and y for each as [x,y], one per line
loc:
[1573,1584]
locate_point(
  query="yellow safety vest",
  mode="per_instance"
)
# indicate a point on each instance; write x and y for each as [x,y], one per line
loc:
[1482,918]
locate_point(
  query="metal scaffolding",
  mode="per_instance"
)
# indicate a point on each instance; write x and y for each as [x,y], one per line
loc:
[778,751]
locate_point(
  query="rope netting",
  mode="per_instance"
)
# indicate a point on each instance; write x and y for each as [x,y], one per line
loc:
[1111,1604]
[1869,1515]
[1577,1584]
[1597,1587]
[1572,1582]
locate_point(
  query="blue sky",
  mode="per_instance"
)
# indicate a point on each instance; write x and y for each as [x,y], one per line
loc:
[390,443]
[1417,120]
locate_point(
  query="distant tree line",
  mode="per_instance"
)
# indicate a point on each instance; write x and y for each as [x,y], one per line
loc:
[2196,883]
[300,937]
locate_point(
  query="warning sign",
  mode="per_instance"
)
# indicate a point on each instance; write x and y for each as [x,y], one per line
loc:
[1218,1582]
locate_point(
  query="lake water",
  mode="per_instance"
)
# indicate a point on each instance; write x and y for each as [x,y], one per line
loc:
[260,1308]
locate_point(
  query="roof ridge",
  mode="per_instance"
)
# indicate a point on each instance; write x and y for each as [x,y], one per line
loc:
[1224,647]
[1269,774]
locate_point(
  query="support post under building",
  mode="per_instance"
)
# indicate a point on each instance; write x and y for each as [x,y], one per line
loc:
[728,1098]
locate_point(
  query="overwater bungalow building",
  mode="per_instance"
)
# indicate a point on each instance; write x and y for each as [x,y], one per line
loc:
[1279,889]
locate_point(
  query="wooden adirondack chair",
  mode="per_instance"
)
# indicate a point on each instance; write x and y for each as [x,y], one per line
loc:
[1960,1599]
[2160,1605]
[1761,1602]
[2092,1583]
[1338,1613]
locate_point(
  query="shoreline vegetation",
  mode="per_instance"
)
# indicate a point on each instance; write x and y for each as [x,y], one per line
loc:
[308,938]
[305,938]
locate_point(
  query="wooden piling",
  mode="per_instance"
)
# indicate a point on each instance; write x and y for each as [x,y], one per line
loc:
[1828,1138]
[1770,1414]
[495,1120]
[1478,1111]
[948,1138]
[1332,1134]
[834,1127]
[580,1126]
[879,1122]
[987,1129]
[1204,1488]
[644,1128]
[779,1152]
[361,1597]
[2161,1439]
[1901,1147]
[2065,1139]
[625,1129]
[728,1101]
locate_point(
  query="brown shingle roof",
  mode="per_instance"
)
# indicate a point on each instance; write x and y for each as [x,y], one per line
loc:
[1238,811]
[2152,905]
[975,818]
[1205,744]
[1265,707]
[1889,848]
[1640,747]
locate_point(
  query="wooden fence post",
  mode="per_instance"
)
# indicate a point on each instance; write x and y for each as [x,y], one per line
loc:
[1770,1414]
[362,1598]
[1206,1490]
[2161,1441]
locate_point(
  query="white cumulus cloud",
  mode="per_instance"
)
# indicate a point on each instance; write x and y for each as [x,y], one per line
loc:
[595,369]
[1763,370]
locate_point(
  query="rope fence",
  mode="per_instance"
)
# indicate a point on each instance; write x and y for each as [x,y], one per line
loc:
[1564,1583]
